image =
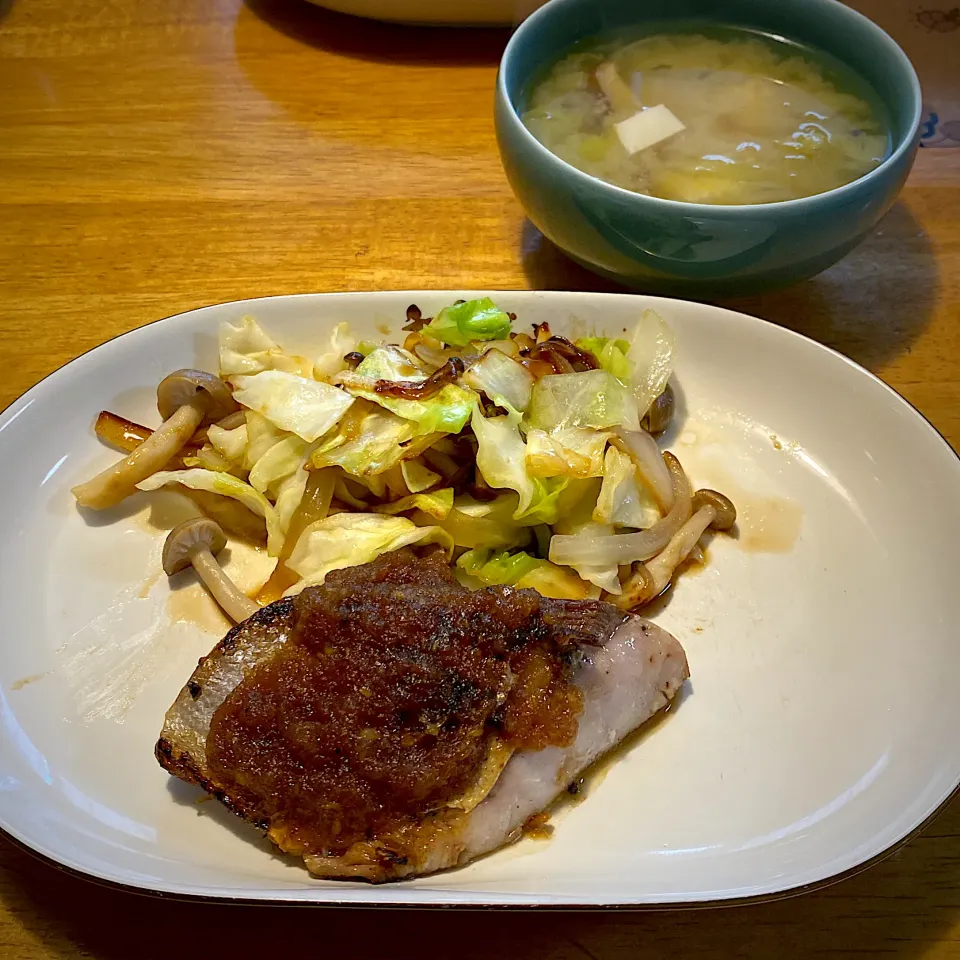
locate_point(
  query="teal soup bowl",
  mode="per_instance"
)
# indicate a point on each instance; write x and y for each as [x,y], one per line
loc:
[690,249]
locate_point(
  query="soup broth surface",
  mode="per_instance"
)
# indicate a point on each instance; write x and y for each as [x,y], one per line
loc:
[764,120]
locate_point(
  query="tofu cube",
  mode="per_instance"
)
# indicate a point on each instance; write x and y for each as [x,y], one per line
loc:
[648,127]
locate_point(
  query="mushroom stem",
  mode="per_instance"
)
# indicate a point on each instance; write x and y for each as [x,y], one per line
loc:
[185,399]
[236,605]
[650,579]
[119,481]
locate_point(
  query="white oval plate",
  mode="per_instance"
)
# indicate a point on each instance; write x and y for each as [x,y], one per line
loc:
[820,724]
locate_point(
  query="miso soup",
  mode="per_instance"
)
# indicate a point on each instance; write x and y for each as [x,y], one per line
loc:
[719,115]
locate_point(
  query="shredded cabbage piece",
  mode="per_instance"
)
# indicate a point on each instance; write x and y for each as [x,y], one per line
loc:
[507,383]
[611,354]
[473,523]
[261,436]
[208,458]
[352,539]
[570,452]
[389,362]
[227,486]
[279,461]
[329,364]
[575,504]
[418,477]
[367,441]
[521,570]
[502,458]
[594,398]
[290,493]
[342,491]
[229,443]
[624,501]
[651,352]
[437,504]
[308,408]
[374,483]
[246,350]
[460,323]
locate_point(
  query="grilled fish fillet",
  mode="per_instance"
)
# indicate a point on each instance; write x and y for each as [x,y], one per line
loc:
[625,679]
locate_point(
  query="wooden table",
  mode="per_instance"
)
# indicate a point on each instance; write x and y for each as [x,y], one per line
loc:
[156,156]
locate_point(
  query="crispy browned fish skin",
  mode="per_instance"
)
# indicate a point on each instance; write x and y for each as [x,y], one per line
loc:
[180,750]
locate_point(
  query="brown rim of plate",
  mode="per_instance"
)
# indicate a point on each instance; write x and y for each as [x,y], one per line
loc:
[671,906]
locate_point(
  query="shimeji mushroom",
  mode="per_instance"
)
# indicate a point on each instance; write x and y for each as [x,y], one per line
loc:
[658,417]
[195,543]
[725,512]
[186,399]
[648,580]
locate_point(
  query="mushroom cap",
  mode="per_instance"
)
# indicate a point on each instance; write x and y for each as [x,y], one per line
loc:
[726,512]
[188,536]
[182,386]
[660,413]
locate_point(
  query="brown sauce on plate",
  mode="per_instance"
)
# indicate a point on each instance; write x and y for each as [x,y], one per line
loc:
[768,524]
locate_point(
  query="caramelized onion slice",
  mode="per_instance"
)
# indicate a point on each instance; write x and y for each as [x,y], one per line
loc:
[563,356]
[126,435]
[625,548]
[450,372]
[643,450]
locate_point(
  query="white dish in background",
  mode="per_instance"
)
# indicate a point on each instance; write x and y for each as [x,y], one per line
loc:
[820,724]
[487,13]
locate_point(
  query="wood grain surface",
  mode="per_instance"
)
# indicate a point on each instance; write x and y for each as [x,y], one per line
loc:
[157,155]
